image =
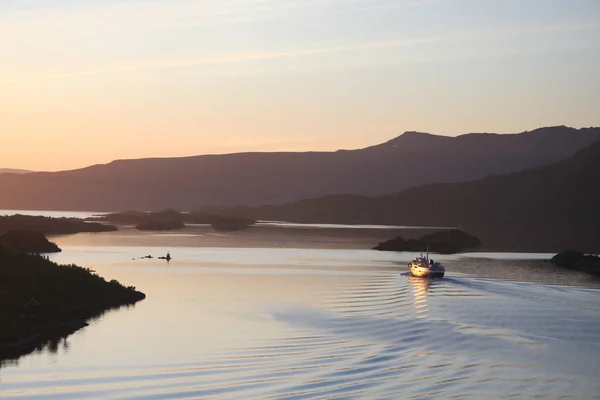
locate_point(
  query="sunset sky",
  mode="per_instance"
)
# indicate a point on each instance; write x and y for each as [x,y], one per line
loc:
[89,81]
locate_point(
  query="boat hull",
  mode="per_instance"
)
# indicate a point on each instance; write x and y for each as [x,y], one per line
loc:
[427,274]
[422,271]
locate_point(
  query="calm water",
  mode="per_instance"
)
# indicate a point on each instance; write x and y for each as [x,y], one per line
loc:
[314,314]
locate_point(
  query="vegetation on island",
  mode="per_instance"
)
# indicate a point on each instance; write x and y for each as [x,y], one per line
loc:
[444,242]
[578,261]
[43,302]
[48,225]
[173,219]
[27,242]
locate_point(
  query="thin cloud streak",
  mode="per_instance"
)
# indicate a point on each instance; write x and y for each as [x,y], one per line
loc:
[231,59]
[346,48]
[175,14]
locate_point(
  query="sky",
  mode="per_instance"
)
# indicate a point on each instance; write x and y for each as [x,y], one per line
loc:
[85,82]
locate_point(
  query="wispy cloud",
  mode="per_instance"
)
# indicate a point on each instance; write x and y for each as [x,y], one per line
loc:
[161,14]
[230,59]
[118,19]
[332,49]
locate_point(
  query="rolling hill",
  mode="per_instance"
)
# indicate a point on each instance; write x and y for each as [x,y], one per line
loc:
[545,209]
[408,160]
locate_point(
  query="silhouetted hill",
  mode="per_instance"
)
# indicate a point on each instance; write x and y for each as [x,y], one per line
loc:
[274,178]
[547,208]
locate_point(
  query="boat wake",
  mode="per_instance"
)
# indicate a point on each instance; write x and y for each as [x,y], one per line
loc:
[387,336]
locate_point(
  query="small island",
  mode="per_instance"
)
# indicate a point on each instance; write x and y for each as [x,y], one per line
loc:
[444,242]
[172,219]
[43,302]
[50,226]
[578,261]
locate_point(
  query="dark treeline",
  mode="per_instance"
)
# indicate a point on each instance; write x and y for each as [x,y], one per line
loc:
[27,242]
[49,225]
[43,301]
[575,260]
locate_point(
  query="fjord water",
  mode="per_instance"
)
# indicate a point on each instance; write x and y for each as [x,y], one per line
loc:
[296,313]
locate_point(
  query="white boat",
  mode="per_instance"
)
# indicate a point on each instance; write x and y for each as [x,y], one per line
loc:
[426,267]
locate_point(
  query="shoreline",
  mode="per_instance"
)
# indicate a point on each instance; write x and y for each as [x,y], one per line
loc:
[44,302]
[41,333]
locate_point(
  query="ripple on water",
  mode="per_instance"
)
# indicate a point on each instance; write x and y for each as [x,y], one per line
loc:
[386,337]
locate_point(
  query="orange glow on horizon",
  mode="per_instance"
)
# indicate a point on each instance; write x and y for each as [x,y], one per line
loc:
[126,80]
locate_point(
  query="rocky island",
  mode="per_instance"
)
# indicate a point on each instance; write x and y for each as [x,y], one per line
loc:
[43,302]
[444,242]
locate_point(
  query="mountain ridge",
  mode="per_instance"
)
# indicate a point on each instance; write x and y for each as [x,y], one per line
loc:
[258,178]
[547,208]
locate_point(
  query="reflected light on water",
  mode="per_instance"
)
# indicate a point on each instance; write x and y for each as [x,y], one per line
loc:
[260,323]
[420,289]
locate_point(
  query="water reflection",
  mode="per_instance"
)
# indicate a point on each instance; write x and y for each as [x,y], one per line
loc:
[421,286]
[283,323]
[420,290]
[54,345]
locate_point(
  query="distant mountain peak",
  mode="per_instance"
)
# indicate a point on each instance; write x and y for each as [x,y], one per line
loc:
[411,159]
[412,139]
[554,128]
[416,140]
[558,129]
